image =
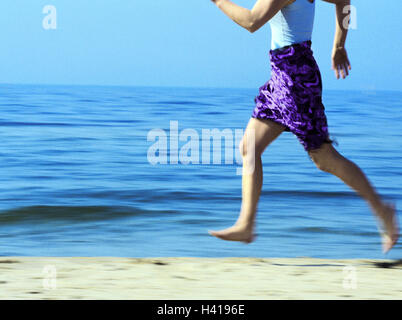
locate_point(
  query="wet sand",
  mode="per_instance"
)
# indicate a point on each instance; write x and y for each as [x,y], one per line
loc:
[198,278]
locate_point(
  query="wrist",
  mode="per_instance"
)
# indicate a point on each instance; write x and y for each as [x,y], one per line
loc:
[339,45]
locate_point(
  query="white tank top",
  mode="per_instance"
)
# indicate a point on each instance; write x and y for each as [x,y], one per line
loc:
[292,24]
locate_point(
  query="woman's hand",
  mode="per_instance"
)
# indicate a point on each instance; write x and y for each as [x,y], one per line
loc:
[340,62]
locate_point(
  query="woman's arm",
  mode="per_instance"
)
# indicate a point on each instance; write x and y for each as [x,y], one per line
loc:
[340,61]
[255,18]
[341,28]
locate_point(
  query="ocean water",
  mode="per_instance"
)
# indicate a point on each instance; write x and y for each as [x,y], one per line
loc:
[78,178]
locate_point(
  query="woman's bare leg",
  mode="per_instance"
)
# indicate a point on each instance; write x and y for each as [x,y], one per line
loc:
[258,135]
[329,160]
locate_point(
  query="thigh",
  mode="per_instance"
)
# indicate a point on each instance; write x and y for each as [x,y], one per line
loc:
[263,132]
[326,154]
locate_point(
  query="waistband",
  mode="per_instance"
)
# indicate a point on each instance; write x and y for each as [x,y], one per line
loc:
[292,50]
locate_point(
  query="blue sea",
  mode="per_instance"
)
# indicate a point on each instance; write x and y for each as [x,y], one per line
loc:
[79,176]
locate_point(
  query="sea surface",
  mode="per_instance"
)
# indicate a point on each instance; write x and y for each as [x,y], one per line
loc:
[93,171]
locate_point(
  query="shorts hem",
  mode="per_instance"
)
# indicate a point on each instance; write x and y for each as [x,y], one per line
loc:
[287,129]
[319,145]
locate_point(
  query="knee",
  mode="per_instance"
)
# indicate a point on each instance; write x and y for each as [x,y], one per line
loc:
[322,163]
[243,148]
[326,158]
[247,149]
[323,166]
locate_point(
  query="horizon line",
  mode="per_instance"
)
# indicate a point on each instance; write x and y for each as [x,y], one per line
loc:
[368,89]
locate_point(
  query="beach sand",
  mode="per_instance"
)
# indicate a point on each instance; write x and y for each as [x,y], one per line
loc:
[198,278]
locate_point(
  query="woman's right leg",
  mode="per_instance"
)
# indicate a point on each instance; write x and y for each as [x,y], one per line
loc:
[258,135]
[329,160]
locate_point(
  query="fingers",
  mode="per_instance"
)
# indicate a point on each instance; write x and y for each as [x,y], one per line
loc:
[347,64]
[341,70]
[334,67]
[344,71]
[335,71]
[345,68]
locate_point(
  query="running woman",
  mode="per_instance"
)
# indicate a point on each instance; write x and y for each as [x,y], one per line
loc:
[291,101]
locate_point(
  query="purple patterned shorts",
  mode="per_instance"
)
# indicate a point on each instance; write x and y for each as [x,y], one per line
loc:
[292,97]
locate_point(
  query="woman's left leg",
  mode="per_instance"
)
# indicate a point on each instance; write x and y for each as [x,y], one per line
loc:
[259,134]
[329,160]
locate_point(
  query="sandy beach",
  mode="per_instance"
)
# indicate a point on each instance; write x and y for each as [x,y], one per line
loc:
[198,278]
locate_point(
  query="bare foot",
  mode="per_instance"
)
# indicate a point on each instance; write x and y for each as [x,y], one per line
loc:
[235,233]
[388,226]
